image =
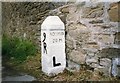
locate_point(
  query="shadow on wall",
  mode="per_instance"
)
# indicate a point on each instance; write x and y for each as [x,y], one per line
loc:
[109,53]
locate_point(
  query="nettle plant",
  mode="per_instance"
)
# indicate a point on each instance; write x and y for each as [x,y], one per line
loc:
[17,48]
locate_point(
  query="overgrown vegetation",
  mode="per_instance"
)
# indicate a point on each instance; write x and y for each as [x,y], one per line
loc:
[18,49]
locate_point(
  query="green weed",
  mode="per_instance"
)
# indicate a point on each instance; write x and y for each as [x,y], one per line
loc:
[17,48]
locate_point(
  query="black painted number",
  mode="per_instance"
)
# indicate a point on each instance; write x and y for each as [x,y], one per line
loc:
[44,43]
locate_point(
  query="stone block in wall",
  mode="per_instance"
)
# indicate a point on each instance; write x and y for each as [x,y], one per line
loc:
[70,44]
[97,72]
[105,62]
[92,61]
[72,18]
[78,36]
[114,12]
[91,46]
[96,21]
[72,66]
[105,39]
[81,32]
[63,18]
[64,9]
[103,26]
[106,71]
[117,38]
[106,66]
[109,53]
[94,65]
[93,12]
[77,56]
[72,8]
[72,26]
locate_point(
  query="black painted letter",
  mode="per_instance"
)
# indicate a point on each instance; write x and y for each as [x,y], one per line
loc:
[54,62]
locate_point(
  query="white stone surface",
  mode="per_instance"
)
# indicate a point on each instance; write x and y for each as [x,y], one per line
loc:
[52,22]
[115,69]
[53,46]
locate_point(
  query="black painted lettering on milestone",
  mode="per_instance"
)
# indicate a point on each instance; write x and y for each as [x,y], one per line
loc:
[60,40]
[45,47]
[44,34]
[54,62]
[44,44]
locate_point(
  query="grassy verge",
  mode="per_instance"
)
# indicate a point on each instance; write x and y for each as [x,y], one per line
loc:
[17,49]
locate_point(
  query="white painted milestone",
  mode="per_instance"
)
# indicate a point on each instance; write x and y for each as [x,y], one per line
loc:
[53,46]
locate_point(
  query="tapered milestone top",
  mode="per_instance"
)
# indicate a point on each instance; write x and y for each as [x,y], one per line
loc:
[52,22]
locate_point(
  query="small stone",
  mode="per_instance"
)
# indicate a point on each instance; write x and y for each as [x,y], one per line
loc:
[103,26]
[116,67]
[105,62]
[65,9]
[92,13]
[91,47]
[72,17]
[113,12]
[106,39]
[63,18]
[72,26]
[80,34]
[93,60]
[78,56]
[96,21]
[72,66]
[117,38]
[97,71]
[94,65]
[109,52]
[69,43]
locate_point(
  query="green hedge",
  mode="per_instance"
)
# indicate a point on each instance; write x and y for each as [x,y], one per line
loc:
[17,48]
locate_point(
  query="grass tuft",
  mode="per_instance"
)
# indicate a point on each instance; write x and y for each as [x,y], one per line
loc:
[16,48]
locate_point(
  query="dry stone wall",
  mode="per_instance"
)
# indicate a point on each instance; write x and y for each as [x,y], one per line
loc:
[92,34]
